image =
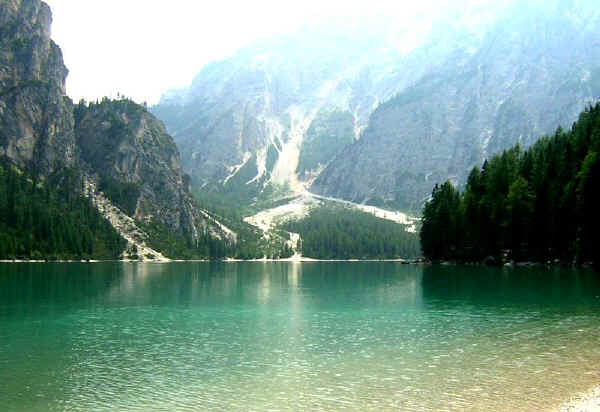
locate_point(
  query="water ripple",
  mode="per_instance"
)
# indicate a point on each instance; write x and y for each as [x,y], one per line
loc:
[138,346]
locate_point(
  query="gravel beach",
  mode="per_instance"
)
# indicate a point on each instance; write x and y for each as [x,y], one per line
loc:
[589,401]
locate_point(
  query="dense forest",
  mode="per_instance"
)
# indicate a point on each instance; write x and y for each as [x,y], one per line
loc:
[177,246]
[539,204]
[343,233]
[50,219]
[251,242]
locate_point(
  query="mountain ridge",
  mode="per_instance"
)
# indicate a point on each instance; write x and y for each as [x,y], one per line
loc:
[531,76]
[471,85]
[116,146]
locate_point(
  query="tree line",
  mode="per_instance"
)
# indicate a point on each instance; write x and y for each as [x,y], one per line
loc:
[540,204]
[50,219]
[250,242]
[338,232]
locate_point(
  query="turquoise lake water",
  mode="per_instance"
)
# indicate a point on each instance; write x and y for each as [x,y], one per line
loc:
[290,336]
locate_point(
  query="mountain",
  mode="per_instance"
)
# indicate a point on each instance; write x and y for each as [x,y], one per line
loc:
[36,116]
[123,144]
[534,70]
[125,161]
[249,122]
[377,114]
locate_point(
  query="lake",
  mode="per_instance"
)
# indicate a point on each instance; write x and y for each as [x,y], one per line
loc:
[301,336]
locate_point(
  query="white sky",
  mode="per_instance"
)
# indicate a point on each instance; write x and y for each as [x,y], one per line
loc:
[142,48]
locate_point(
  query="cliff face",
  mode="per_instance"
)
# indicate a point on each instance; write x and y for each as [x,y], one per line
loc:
[381,116]
[242,124]
[121,142]
[535,69]
[115,144]
[36,122]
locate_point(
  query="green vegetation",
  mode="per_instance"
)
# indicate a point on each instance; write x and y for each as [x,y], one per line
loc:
[124,195]
[51,219]
[327,135]
[343,233]
[250,243]
[177,246]
[118,114]
[536,205]
[237,190]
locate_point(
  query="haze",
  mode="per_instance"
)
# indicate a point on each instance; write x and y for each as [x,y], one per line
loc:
[142,48]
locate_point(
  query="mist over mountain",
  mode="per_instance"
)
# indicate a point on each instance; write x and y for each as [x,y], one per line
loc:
[379,113]
[534,70]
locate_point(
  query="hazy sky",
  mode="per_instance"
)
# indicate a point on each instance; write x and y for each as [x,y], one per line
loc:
[142,48]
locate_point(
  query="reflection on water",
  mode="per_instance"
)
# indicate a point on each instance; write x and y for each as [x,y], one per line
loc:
[189,336]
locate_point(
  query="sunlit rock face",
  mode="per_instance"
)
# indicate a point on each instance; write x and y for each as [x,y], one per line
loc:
[36,121]
[42,131]
[379,114]
[121,141]
[276,114]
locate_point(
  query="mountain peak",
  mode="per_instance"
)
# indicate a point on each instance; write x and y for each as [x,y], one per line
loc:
[418,103]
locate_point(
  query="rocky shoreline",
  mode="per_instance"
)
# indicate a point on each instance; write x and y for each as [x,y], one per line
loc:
[583,402]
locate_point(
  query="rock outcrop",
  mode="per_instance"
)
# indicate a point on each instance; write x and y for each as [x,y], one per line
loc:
[116,145]
[122,143]
[536,68]
[137,240]
[425,102]
[36,120]
[242,124]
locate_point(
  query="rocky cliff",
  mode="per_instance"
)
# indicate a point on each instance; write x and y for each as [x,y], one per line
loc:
[380,114]
[536,68]
[126,148]
[117,146]
[243,122]
[36,121]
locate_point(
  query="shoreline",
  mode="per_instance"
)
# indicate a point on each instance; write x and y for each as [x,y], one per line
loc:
[226,260]
[582,402]
[302,259]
